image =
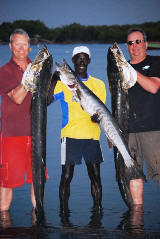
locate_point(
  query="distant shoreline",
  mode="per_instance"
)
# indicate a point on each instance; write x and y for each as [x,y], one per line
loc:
[151,45]
[32,42]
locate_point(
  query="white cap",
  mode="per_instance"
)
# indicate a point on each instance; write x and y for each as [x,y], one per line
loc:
[81,49]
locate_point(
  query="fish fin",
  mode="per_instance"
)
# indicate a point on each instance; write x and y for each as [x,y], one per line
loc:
[137,172]
[122,178]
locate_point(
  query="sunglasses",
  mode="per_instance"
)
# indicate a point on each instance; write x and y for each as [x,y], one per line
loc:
[136,41]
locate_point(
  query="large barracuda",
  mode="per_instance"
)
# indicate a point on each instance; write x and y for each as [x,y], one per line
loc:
[93,105]
[42,66]
[119,81]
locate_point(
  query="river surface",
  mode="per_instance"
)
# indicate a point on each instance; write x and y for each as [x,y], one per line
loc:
[115,221]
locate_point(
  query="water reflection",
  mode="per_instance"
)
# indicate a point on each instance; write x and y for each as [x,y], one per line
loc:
[8,230]
[96,218]
[5,219]
[65,218]
[93,229]
[133,222]
[132,225]
[35,221]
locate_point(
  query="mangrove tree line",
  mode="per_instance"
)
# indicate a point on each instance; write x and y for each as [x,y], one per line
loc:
[76,32]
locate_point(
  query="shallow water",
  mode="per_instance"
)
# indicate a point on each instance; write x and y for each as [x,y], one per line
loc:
[114,221]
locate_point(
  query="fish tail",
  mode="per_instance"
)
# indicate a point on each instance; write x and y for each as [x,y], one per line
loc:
[40,216]
[123,178]
[136,172]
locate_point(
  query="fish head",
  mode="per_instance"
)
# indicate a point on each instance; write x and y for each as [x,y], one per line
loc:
[118,64]
[116,56]
[42,55]
[67,75]
[39,60]
[33,74]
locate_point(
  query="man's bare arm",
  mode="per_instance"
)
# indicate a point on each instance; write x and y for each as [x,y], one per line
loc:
[150,84]
[18,94]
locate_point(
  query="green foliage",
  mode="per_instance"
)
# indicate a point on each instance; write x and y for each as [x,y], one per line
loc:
[5,31]
[76,32]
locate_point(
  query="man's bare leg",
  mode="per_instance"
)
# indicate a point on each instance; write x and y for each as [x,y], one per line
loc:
[33,197]
[136,189]
[6,196]
[96,186]
[64,187]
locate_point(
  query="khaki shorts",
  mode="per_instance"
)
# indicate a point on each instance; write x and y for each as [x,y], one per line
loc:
[146,146]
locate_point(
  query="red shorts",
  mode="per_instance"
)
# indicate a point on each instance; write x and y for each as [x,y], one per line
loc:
[15,161]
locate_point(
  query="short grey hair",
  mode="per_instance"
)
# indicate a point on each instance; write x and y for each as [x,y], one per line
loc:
[20,32]
[136,29]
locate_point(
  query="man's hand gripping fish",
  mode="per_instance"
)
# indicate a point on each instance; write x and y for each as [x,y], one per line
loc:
[93,105]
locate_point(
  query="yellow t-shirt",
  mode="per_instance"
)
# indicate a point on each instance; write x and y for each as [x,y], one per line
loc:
[76,123]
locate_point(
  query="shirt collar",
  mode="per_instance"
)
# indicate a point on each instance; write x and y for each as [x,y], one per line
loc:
[14,63]
[83,79]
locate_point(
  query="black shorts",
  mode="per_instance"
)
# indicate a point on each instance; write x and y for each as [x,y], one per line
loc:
[72,151]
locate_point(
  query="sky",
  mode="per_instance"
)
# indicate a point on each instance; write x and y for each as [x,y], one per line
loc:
[58,13]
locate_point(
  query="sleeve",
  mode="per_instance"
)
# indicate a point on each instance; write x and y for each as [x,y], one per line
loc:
[9,79]
[155,71]
[4,78]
